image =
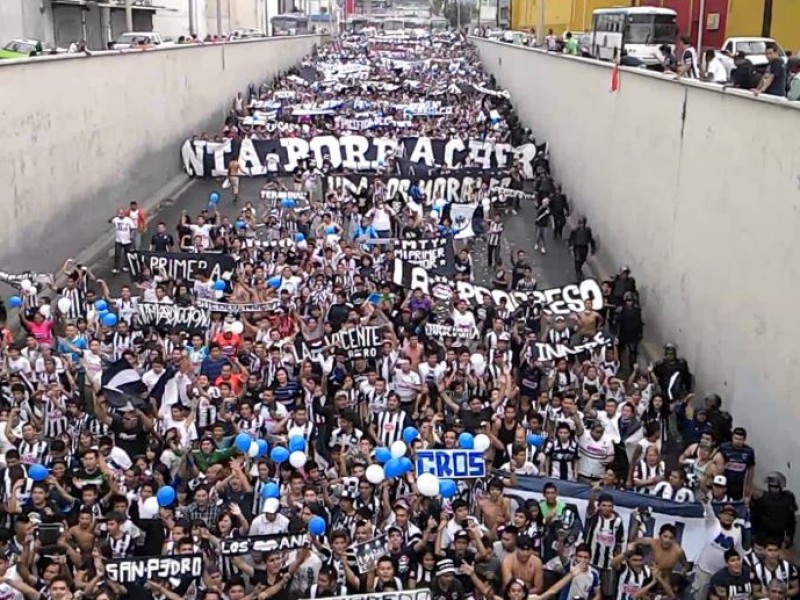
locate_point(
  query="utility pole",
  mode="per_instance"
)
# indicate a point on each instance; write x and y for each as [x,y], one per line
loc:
[701,28]
[766,25]
[192,29]
[128,15]
[540,19]
[219,17]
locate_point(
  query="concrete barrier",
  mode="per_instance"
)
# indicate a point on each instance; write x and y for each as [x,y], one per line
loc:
[82,136]
[698,190]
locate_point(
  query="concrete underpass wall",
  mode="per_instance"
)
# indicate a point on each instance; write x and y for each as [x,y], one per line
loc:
[81,136]
[698,191]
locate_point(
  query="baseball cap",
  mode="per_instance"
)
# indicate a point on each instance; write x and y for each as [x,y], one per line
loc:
[720,480]
[462,534]
[728,508]
[271,506]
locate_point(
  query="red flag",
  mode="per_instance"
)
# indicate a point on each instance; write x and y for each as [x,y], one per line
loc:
[615,78]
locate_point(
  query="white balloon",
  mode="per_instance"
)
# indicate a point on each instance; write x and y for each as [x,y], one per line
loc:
[375,474]
[297,459]
[295,431]
[252,452]
[237,327]
[64,305]
[428,485]
[45,310]
[218,294]
[398,449]
[149,509]
[482,442]
[480,370]
[26,284]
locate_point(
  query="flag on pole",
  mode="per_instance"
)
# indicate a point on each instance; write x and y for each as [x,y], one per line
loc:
[615,78]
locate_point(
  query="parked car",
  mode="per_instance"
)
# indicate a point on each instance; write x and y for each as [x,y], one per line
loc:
[246,33]
[132,39]
[754,48]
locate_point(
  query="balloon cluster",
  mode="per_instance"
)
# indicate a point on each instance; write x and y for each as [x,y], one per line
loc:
[288,203]
[106,317]
[245,443]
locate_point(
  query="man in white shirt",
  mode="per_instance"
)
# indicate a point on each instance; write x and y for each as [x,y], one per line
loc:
[407,384]
[270,522]
[123,232]
[596,452]
[715,72]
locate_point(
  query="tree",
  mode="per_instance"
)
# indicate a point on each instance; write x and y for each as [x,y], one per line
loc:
[452,10]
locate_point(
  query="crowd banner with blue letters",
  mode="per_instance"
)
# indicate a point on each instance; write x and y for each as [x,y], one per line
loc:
[554,301]
[451,464]
[143,568]
[646,512]
[202,158]
[546,352]
[262,543]
[181,265]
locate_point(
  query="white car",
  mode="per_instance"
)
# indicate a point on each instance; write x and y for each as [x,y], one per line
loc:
[754,48]
[133,39]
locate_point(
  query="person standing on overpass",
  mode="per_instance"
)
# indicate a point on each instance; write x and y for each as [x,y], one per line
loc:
[581,242]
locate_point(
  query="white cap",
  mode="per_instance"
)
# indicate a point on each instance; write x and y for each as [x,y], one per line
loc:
[271,506]
[720,480]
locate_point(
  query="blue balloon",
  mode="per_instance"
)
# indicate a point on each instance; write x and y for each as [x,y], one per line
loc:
[213,197]
[534,439]
[406,464]
[466,441]
[375,298]
[165,495]
[242,441]
[393,468]
[38,472]
[288,203]
[410,434]
[274,282]
[299,237]
[219,285]
[270,490]
[297,443]
[383,455]
[316,526]
[15,302]
[109,319]
[263,448]
[101,305]
[447,488]
[279,454]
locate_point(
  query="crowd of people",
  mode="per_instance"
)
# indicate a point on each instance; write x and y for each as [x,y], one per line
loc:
[251,425]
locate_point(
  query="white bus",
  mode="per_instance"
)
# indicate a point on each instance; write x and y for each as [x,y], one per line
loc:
[639,30]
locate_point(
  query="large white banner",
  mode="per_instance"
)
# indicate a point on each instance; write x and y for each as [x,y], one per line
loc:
[687,518]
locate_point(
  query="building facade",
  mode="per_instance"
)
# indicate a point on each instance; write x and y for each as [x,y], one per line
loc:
[779,19]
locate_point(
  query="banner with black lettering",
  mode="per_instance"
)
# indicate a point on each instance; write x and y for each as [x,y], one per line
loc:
[202,158]
[16,279]
[554,301]
[143,568]
[546,352]
[229,307]
[645,512]
[367,553]
[181,265]
[283,195]
[262,543]
[170,318]
[457,187]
